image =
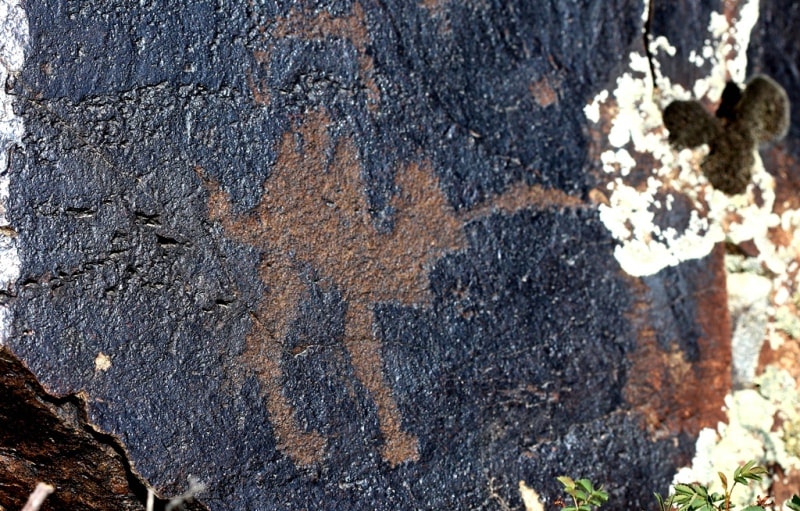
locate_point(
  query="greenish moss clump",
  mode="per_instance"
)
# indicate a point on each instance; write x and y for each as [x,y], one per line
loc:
[757,115]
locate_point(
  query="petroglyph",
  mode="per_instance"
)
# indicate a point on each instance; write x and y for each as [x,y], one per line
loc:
[313,212]
[298,24]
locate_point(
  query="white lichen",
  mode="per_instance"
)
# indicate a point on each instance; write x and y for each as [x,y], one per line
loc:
[13,44]
[748,302]
[102,362]
[761,426]
[637,215]
[635,133]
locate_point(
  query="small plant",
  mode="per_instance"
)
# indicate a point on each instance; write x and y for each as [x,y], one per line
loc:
[695,497]
[584,495]
[687,497]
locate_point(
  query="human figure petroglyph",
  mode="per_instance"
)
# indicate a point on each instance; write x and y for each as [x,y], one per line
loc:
[313,211]
[312,208]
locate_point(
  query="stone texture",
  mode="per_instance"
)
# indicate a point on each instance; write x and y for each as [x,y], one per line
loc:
[50,439]
[684,344]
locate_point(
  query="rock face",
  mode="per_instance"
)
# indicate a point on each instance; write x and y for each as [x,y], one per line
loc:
[50,439]
[345,255]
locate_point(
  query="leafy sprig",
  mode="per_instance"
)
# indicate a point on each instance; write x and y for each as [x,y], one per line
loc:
[584,494]
[686,497]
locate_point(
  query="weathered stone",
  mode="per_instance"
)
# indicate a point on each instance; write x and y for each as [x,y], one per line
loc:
[48,439]
[683,344]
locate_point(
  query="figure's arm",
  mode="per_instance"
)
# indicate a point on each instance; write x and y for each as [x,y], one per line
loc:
[241,227]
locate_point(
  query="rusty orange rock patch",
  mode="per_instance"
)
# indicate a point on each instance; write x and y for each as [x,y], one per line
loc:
[676,395]
[544,92]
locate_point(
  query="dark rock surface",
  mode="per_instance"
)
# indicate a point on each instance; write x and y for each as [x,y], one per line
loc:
[44,438]
[340,254]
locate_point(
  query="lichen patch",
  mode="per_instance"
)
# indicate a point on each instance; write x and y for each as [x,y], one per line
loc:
[627,130]
[762,425]
[102,363]
[644,176]
[14,41]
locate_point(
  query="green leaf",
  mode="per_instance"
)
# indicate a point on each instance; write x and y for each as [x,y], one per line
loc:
[737,474]
[598,498]
[794,503]
[662,504]
[749,471]
[584,494]
[566,481]
[724,480]
[753,508]
[586,485]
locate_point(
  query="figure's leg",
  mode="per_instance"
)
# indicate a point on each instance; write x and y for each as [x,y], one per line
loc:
[364,349]
[264,343]
[264,351]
